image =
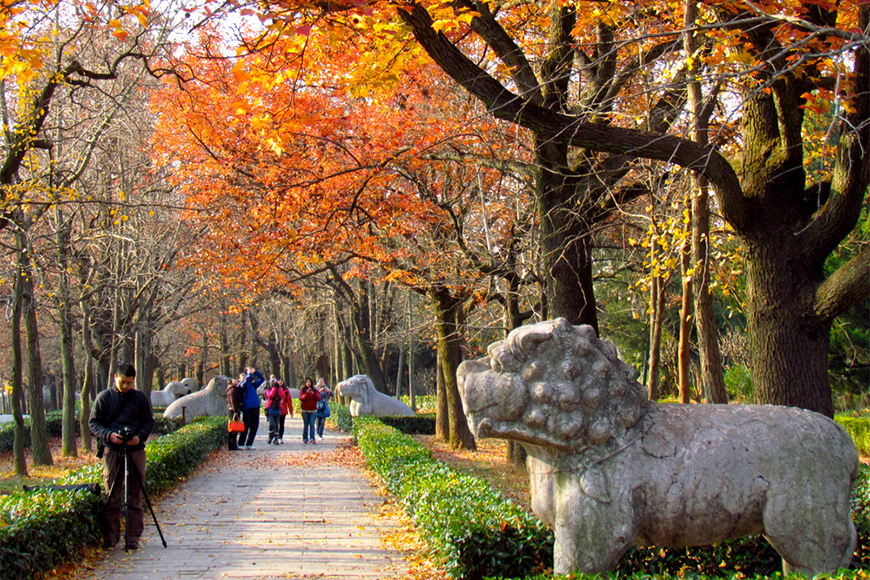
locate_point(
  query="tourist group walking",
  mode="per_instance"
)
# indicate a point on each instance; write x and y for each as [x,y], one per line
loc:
[243,405]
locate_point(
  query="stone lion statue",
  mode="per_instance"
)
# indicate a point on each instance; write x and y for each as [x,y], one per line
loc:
[167,395]
[209,402]
[191,383]
[365,400]
[610,469]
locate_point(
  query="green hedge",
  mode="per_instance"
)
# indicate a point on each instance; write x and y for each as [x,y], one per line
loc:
[54,426]
[412,425]
[859,429]
[471,530]
[339,415]
[41,529]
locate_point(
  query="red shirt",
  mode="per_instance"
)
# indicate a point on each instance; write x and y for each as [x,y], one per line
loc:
[308,399]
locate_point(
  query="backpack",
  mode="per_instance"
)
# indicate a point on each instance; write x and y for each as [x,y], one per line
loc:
[275,403]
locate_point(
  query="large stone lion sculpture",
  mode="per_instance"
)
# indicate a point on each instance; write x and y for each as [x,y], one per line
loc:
[610,469]
[167,395]
[365,400]
[209,402]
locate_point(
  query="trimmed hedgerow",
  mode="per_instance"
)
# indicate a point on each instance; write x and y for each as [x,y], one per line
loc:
[412,424]
[40,529]
[340,416]
[471,530]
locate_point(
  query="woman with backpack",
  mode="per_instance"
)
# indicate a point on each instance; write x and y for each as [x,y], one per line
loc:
[308,398]
[274,401]
[286,407]
[323,405]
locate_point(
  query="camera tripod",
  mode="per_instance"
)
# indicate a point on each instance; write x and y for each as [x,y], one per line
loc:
[127,470]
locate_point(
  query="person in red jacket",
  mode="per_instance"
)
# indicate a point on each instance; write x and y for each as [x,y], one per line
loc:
[286,408]
[308,397]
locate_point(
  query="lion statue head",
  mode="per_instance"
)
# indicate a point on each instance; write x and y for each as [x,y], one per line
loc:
[551,384]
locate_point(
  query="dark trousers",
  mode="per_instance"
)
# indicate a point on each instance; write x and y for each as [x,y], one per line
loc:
[251,418]
[113,477]
[281,427]
[233,443]
[321,421]
[274,426]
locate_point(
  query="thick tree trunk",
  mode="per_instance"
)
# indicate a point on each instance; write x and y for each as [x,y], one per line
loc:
[67,346]
[448,318]
[788,343]
[565,239]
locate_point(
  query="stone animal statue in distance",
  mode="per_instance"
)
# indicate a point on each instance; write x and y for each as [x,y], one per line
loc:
[366,400]
[610,469]
[209,402]
[167,395]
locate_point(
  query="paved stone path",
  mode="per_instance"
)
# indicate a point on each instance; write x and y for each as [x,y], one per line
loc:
[263,514]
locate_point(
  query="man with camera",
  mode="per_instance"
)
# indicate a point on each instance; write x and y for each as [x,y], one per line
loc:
[122,419]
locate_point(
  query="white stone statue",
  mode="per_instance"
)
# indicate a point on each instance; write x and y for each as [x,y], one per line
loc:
[167,395]
[365,400]
[209,402]
[610,469]
[191,384]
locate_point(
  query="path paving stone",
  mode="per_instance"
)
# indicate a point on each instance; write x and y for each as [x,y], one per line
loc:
[246,518]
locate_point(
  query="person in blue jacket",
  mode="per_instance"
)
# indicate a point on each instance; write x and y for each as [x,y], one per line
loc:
[249,383]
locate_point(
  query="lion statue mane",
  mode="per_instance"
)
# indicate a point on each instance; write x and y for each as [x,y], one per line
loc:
[610,469]
[366,400]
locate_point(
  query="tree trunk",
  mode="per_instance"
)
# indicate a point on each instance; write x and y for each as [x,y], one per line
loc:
[17,381]
[67,347]
[683,350]
[657,302]
[442,412]
[39,440]
[788,343]
[565,239]
[448,317]
[87,382]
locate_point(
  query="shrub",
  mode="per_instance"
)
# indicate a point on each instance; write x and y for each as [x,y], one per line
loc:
[859,429]
[40,529]
[412,425]
[472,531]
[340,417]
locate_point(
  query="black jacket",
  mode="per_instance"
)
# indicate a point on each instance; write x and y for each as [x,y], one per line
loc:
[136,414]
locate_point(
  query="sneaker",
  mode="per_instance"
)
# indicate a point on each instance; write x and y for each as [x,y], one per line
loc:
[312,442]
[321,437]
[132,546]
[280,441]
[251,447]
[305,440]
[109,544]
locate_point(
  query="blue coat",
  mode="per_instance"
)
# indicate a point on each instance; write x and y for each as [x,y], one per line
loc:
[250,398]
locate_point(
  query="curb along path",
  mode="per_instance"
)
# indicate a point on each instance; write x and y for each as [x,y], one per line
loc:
[278,511]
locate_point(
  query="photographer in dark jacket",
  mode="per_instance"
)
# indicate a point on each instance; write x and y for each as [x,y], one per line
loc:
[122,419]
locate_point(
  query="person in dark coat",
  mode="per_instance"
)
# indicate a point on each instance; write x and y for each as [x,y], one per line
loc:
[122,419]
[250,406]
[234,407]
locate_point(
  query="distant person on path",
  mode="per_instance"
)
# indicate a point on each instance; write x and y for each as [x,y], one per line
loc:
[122,419]
[308,398]
[322,405]
[275,410]
[286,408]
[250,406]
[235,408]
